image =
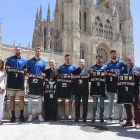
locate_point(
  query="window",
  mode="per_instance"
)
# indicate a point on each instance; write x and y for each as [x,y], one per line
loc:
[81,53]
[84,22]
[104,54]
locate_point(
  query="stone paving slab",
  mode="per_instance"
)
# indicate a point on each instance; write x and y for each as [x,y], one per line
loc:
[64,131]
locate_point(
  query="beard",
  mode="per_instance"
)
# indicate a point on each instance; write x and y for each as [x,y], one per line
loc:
[113,57]
[99,62]
[18,54]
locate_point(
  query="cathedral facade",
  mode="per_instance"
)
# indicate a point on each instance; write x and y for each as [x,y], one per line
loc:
[83,30]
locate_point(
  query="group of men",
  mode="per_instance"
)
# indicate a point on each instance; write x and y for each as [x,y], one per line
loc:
[37,66]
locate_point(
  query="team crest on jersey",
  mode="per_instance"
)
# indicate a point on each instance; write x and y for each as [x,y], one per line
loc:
[20,61]
[39,61]
[32,61]
[125,78]
[110,64]
[98,73]
[13,59]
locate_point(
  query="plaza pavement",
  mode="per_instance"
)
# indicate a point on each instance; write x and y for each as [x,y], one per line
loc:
[64,131]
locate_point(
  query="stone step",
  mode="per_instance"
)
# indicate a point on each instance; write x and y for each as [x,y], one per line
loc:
[7,111]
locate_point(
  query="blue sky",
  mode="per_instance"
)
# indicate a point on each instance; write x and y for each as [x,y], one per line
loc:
[19,19]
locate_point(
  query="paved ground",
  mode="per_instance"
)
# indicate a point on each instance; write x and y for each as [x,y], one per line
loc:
[64,131]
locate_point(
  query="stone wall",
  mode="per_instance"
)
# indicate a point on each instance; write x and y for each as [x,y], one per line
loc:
[7,111]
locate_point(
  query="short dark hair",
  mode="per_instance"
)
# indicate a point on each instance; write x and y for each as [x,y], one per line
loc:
[67,55]
[98,56]
[113,51]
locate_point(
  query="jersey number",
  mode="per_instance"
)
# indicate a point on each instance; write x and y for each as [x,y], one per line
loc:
[98,84]
[110,78]
[126,88]
[16,75]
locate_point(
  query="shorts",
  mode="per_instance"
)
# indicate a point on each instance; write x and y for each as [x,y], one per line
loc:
[70,99]
[18,93]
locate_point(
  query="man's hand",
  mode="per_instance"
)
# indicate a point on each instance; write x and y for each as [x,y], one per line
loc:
[91,71]
[105,72]
[46,80]
[43,75]
[88,75]
[116,73]
[27,75]
[2,91]
[71,76]
[136,73]
[7,68]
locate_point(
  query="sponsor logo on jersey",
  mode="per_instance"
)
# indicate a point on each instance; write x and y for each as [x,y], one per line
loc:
[39,61]
[32,61]
[117,64]
[35,81]
[20,61]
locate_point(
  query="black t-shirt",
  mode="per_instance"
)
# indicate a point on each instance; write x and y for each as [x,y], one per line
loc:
[15,79]
[80,85]
[35,85]
[98,83]
[50,96]
[125,88]
[111,81]
[64,86]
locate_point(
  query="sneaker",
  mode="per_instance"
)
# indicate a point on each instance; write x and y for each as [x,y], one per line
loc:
[93,120]
[13,119]
[30,118]
[101,120]
[109,120]
[69,118]
[40,118]
[63,119]
[137,126]
[121,122]
[21,118]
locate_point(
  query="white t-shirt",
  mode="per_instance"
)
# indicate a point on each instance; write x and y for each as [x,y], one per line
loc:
[2,80]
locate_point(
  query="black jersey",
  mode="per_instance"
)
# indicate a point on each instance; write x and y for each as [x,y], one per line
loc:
[125,88]
[35,85]
[111,81]
[64,86]
[80,85]
[15,79]
[50,96]
[97,83]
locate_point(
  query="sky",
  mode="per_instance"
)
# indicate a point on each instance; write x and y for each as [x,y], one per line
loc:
[18,19]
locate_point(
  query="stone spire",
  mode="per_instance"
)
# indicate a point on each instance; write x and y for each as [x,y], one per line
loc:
[56,6]
[40,13]
[37,15]
[48,13]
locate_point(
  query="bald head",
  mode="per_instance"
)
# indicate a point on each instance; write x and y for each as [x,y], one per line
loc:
[51,63]
[81,63]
